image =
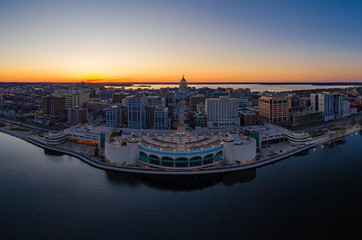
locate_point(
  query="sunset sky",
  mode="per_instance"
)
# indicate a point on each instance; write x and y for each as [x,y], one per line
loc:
[156,41]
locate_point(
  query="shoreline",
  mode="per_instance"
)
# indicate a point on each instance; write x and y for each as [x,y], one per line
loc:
[138,170]
[148,171]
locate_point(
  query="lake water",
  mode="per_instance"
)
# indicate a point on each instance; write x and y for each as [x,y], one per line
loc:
[253,87]
[312,196]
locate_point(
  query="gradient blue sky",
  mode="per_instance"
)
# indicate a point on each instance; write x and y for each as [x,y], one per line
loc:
[161,40]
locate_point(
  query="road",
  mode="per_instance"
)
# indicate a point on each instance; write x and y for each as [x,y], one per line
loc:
[316,127]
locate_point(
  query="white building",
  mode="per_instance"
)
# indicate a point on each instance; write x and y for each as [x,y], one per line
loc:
[180,150]
[161,118]
[222,111]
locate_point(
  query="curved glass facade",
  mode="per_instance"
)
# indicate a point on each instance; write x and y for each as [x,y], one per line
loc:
[143,157]
[154,159]
[181,162]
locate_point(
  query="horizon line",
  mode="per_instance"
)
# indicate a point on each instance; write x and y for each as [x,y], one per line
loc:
[198,83]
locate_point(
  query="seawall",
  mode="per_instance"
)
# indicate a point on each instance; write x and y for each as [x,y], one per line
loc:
[139,170]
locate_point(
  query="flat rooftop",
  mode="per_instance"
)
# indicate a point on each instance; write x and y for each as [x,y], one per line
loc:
[181,142]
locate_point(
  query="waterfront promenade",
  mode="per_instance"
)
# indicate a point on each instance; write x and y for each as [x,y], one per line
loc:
[215,170]
[96,162]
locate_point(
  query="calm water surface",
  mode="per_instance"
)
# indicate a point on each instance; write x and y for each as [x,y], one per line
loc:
[253,87]
[315,195]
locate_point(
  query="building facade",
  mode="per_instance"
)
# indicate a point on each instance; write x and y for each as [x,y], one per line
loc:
[297,118]
[274,108]
[114,116]
[77,115]
[323,102]
[180,151]
[76,100]
[161,121]
[54,106]
[222,111]
[137,111]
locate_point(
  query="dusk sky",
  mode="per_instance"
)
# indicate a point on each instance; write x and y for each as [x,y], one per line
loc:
[156,41]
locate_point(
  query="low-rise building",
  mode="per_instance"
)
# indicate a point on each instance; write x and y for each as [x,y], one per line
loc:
[248,118]
[297,118]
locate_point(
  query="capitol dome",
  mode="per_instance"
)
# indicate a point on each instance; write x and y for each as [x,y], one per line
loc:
[183,84]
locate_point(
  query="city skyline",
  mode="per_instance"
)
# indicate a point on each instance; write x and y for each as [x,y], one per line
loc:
[139,41]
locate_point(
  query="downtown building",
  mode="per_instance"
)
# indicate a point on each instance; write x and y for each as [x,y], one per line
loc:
[77,115]
[331,105]
[274,108]
[114,116]
[222,111]
[161,121]
[54,107]
[137,111]
[76,100]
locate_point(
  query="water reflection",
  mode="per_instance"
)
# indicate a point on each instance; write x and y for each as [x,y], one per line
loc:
[181,183]
[336,143]
[302,153]
[52,152]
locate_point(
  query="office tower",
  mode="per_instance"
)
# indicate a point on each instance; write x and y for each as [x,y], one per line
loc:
[323,102]
[150,117]
[137,111]
[76,100]
[222,111]
[54,106]
[114,116]
[161,118]
[274,108]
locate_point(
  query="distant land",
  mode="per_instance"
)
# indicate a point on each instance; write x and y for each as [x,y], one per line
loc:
[193,83]
[262,83]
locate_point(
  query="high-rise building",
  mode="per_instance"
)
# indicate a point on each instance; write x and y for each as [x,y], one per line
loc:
[274,108]
[54,106]
[76,100]
[293,101]
[137,111]
[1,101]
[150,117]
[323,102]
[338,105]
[124,116]
[161,118]
[222,111]
[346,108]
[114,116]
[77,115]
